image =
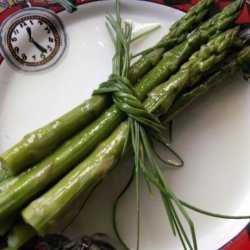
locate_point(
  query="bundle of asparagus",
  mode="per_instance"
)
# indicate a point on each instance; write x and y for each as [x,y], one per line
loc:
[102,141]
[36,145]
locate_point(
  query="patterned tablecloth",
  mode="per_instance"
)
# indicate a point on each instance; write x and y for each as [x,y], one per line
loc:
[241,241]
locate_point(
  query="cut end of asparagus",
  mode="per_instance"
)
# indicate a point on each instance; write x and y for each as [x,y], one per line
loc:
[41,231]
[4,170]
[19,235]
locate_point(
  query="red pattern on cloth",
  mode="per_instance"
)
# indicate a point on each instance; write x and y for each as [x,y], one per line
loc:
[185,5]
[240,242]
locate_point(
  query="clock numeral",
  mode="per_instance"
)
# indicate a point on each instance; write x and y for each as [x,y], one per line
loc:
[34,57]
[47,29]
[51,40]
[24,57]
[23,24]
[16,31]
[40,22]
[49,48]
[13,39]
[42,55]
[16,49]
[31,22]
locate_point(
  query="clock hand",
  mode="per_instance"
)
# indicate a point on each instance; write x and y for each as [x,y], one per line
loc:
[29,33]
[41,48]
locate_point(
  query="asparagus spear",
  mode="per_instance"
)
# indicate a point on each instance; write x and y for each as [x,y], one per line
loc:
[19,235]
[174,58]
[68,5]
[44,211]
[179,30]
[157,97]
[232,66]
[3,174]
[36,145]
[5,184]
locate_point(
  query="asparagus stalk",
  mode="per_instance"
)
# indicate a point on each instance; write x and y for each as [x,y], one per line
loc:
[157,97]
[177,34]
[174,58]
[68,5]
[3,174]
[19,235]
[36,145]
[230,67]
[5,184]
[44,211]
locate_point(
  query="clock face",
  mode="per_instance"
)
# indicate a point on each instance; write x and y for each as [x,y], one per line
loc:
[33,39]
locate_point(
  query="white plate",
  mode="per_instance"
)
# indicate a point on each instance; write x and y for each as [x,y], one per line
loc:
[212,135]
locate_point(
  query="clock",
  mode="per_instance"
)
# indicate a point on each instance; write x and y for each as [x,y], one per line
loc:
[33,39]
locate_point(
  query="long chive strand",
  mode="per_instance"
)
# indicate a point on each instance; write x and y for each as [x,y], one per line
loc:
[122,193]
[221,216]
[137,206]
[180,227]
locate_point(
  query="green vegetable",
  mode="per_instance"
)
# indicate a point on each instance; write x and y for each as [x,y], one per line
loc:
[7,224]
[178,33]
[72,152]
[174,58]
[3,175]
[44,211]
[230,67]
[203,59]
[8,182]
[39,143]
[94,168]
[68,5]
[36,145]
[19,235]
